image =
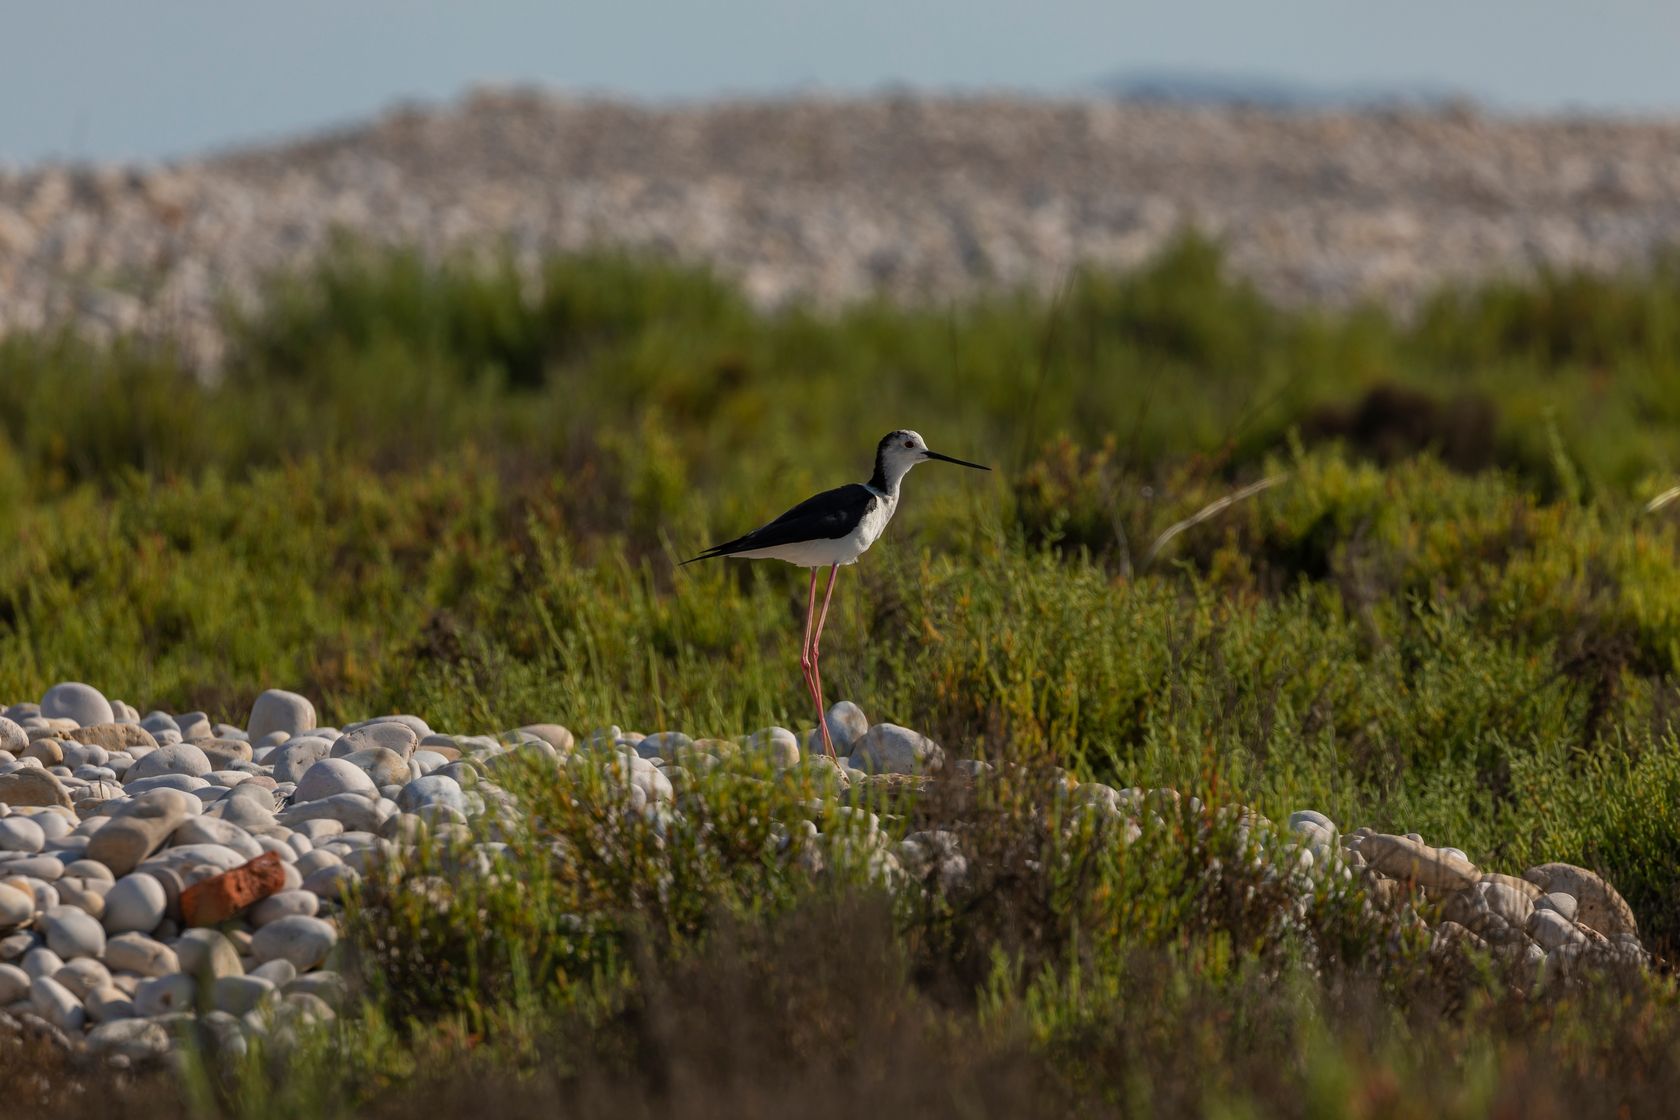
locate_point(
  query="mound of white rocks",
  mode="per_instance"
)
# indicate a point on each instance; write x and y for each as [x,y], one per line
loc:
[165,874]
[1553,915]
[164,871]
[1556,919]
[913,197]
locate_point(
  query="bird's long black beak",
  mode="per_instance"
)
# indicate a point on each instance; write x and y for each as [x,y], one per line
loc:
[958,462]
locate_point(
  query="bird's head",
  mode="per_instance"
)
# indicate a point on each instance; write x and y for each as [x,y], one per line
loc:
[903,449]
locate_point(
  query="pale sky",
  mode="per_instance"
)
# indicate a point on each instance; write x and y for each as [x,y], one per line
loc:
[151,79]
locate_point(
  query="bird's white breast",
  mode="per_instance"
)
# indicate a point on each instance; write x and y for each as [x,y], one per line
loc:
[872,524]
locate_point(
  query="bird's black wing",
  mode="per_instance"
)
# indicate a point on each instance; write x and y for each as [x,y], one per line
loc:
[827,516]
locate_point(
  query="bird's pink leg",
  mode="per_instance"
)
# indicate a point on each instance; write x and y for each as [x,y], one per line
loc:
[806,661]
[816,670]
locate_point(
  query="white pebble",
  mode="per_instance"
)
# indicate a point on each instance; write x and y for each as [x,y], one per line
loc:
[161,995]
[19,833]
[54,1002]
[135,903]
[305,942]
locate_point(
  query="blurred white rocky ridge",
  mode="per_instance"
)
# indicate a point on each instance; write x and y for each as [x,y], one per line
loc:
[920,198]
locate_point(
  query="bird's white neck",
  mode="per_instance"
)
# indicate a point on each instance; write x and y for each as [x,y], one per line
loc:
[889,472]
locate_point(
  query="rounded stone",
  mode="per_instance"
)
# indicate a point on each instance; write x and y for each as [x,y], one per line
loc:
[556,736]
[19,833]
[136,830]
[1509,903]
[1400,857]
[90,870]
[664,744]
[349,811]
[181,783]
[44,868]
[165,995]
[173,882]
[14,984]
[226,754]
[76,701]
[278,971]
[248,806]
[846,725]
[82,976]
[135,952]
[888,748]
[73,933]
[425,761]
[1313,817]
[207,952]
[289,761]
[306,834]
[305,1007]
[278,710]
[431,789]
[333,776]
[1551,930]
[55,825]
[41,961]
[48,752]
[778,744]
[237,994]
[89,900]
[1598,904]
[332,883]
[285,904]
[30,785]
[178,758]
[313,861]
[384,767]
[413,723]
[326,985]
[193,725]
[461,772]
[95,744]
[212,830]
[16,907]
[14,945]
[305,942]
[196,861]
[56,1004]
[108,1004]
[87,759]
[398,738]
[279,847]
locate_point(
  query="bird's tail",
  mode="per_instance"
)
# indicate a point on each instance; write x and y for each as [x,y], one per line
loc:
[727,548]
[715,551]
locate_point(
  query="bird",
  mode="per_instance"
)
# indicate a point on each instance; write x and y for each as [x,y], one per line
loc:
[829,530]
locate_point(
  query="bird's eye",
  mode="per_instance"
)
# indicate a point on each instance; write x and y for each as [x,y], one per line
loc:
[909,443]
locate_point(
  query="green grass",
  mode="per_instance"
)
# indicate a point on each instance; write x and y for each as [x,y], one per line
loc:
[597,360]
[461,493]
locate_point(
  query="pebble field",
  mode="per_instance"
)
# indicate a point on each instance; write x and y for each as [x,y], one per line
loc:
[913,198]
[163,876]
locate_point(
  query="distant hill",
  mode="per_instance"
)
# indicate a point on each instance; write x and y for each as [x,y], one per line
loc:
[1193,87]
[832,199]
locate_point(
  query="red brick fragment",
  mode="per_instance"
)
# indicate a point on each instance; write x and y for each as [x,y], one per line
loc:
[218,899]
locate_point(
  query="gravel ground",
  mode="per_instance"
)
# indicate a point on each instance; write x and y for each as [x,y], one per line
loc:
[159,871]
[920,198]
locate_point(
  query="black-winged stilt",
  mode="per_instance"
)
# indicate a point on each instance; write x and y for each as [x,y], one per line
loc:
[831,529]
